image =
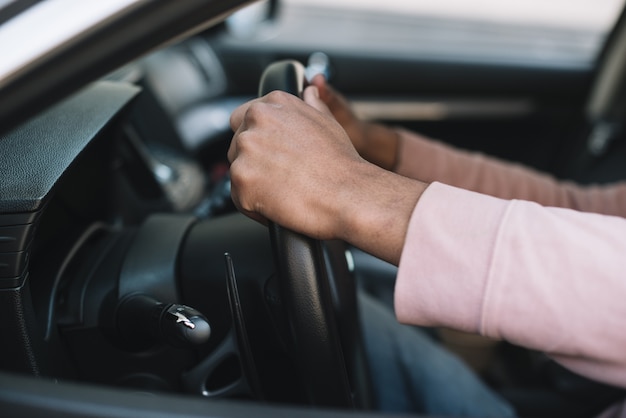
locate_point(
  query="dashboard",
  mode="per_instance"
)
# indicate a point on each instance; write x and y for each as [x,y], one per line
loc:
[112,242]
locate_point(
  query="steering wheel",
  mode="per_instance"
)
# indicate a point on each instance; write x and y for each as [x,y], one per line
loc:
[319,294]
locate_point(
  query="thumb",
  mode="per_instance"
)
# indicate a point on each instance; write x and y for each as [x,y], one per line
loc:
[311,96]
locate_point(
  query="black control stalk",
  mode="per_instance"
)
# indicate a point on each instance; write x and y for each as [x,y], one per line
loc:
[143,321]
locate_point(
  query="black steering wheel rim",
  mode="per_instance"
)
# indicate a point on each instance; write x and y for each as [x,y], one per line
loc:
[328,355]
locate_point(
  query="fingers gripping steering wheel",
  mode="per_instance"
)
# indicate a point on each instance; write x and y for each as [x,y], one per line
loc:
[321,307]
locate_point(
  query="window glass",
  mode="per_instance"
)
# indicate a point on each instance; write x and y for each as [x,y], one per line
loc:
[590,14]
[560,33]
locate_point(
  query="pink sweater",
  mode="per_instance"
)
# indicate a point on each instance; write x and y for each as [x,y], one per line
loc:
[550,275]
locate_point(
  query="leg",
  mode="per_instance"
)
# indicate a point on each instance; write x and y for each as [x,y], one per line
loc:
[412,373]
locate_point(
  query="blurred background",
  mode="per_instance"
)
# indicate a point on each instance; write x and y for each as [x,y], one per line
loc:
[556,32]
[592,14]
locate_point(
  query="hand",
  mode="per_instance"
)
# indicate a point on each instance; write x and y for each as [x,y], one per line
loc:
[292,163]
[288,159]
[341,110]
[375,142]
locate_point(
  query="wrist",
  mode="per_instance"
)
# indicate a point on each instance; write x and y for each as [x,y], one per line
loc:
[374,213]
[381,145]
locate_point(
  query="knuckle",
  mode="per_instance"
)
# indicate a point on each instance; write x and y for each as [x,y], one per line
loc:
[234,121]
[246,142]
[242,180]
[276,96]
[231,153]
[236,176]
[256,113]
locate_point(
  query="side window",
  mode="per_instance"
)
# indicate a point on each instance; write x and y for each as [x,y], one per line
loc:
[566,32]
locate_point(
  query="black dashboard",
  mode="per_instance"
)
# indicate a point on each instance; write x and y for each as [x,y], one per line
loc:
[109,229]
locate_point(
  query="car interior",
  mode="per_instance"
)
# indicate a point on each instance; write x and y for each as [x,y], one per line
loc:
[131,286]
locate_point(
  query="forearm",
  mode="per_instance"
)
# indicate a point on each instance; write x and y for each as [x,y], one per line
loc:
[380,145]
[429,161]
[375,209]
[545,278]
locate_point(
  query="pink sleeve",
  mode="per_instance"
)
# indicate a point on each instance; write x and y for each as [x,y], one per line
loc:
[546,278]
[427,160]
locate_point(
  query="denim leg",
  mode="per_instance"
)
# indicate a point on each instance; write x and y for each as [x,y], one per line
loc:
[412,373]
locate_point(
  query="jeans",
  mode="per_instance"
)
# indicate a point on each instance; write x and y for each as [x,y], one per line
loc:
[412,373]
